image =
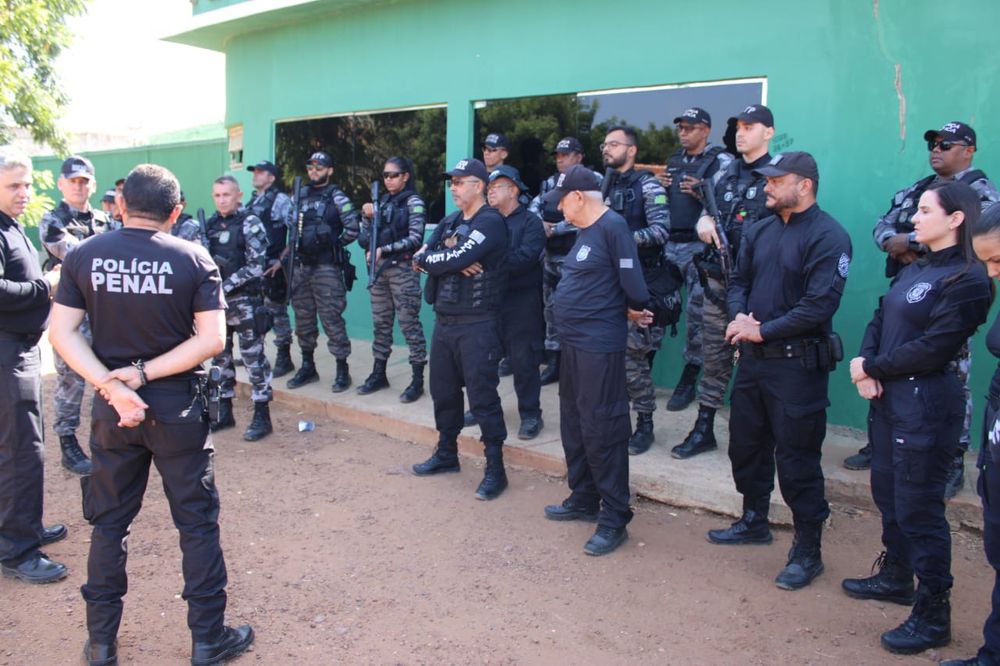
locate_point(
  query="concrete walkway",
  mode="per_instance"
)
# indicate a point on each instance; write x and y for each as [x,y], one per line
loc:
[703,482]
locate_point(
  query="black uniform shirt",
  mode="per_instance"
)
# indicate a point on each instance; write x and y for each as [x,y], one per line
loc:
[24,293]
[791,276]
[926,316]
[141,289]
[484,240]
[525,245]
[600,277]
[993,344]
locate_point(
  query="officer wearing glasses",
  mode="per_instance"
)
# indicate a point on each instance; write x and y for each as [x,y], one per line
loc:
[951,151]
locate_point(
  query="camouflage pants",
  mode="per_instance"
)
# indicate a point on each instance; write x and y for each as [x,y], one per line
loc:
[682,255]
[717,353]
[69,390]
[240,318]
[397,291]
[961,366]
[640,344]
[280,323]
[319,291]
[551,274]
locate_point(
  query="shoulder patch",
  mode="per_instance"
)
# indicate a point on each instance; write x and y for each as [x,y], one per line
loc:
[660,199]
[477,236]
[418,208]
[918,292]
[843,265]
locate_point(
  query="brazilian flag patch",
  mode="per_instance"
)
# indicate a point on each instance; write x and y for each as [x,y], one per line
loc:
[660,199]
[418,209]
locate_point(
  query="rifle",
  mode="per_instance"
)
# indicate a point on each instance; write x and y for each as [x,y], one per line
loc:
[293,237]
[373,236]
[609,176]
[707,191]
[203,227]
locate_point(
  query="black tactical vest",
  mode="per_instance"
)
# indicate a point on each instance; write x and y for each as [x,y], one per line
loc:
[555,245]
[321,225]
[625,198]
[741,200]
[226,242]
[684,208]
[277,232]
[181,219]
[460,295]
[83,227]
[395,220]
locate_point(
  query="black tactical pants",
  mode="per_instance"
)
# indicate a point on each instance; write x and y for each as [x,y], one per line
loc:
[914,429]
[989,492]
[466,354]
[594,425]
[778,419]
[20,450]
[173,437]
[523,323]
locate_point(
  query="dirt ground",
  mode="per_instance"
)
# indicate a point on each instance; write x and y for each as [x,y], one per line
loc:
[337,554]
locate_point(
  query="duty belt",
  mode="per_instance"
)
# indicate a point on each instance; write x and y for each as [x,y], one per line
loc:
[785,349]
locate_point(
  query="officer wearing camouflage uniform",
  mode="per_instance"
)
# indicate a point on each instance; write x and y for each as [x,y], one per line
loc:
[60,230]
[327,223]
[641,200]
[272,207]
[560,236]
[110,209]
[951,152]
[396,288]
[237,241]
[739,194]
[693,162]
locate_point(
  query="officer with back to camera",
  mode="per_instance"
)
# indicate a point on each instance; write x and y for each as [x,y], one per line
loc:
[157,307]
[463,259]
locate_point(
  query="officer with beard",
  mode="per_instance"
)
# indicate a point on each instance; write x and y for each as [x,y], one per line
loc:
[327,224]
[641,200]
[271,207]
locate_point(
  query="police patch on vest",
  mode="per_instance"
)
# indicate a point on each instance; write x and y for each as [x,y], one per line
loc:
[728,196]
[843,265]
[583,252]
[224,237]
[918,292]
[752,192]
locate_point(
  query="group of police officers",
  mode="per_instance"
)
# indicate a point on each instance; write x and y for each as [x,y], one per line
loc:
[586,276]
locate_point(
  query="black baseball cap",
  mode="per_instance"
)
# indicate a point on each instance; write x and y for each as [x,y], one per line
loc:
[320,158]
[77,167]
[955,132]
[797,162]
[109,196]
[494,140]
[757,113]
[269,167]
[569,144]
[470,166]
[577,178]
[695,115]
[507,171]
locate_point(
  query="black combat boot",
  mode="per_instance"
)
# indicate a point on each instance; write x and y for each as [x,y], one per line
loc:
[684,393]
[443,460]
[232,643]
[956,476]
[282,362]
[643,437]
[805,560]
[751,528]
[307,372]
[929,624]
[73,457]
[550,375]
[343,379]
[375,381]
[101,654]
[701,438]
[494,478]
[260,426]
[226,419]
[861,460]
[893,582]
[416,387]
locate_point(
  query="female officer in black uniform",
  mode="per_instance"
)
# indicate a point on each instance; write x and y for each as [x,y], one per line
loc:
[986,241]
[916,412]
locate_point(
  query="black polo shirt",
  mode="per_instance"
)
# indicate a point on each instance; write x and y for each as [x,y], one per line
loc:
[24,293]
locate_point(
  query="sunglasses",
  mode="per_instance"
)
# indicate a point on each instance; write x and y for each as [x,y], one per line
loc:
[943,146]
[391,175]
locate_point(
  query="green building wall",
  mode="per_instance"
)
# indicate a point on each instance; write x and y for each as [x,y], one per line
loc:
[854,82]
